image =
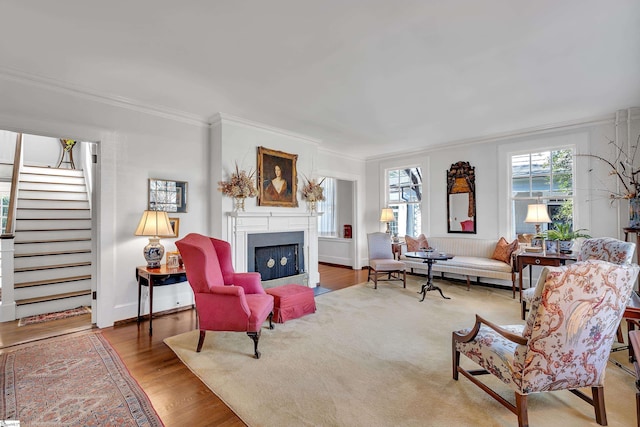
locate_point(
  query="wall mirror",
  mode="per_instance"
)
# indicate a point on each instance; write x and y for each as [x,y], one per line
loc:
[461,198]
[166,195]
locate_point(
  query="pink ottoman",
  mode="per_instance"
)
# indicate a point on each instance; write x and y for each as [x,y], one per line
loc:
[291,302]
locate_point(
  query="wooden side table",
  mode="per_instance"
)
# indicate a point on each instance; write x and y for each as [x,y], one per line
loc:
[634,343]
[157,277]
[524,259]
[635,231]
[396,249]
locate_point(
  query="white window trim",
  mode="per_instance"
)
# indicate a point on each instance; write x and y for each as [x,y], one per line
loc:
[579,141]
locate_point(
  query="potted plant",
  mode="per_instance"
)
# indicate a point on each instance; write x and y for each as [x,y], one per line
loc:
[564,235]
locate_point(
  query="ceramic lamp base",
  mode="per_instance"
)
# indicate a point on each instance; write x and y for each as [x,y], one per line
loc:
[153,252]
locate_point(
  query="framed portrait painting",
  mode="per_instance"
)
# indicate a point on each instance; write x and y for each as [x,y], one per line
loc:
[277,178]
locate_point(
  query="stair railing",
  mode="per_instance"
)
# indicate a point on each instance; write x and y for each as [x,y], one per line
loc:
[17,163]
[8,304]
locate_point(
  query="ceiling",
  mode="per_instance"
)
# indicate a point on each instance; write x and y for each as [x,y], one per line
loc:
[364,77]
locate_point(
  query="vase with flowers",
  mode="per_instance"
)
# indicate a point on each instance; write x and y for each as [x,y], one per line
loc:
[313,193]
[626,170]
[240,186]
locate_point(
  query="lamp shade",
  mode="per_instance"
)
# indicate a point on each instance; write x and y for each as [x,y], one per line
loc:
[154,224]
[538,214]
[387,215]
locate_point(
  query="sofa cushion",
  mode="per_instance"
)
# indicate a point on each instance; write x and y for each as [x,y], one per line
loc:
[504,250]
[415,244]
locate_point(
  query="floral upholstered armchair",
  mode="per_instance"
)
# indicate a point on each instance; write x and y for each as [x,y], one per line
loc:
[565,342]
[604,249]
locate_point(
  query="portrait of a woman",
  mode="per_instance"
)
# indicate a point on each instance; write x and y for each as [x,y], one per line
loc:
[277,188]
[277,178]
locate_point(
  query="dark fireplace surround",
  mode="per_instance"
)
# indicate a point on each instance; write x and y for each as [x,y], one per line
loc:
[276,255]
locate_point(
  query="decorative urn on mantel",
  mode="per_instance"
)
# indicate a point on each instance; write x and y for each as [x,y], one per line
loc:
[240,186]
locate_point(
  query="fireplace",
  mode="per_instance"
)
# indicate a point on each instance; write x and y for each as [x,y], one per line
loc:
[248,230]
[276,255]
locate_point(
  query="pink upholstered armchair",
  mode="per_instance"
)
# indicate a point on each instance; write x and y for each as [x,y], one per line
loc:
[565,343]
[225,300]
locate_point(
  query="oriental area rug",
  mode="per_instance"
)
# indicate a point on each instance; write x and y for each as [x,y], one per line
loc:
[74,380]
[381,358]
[40,318]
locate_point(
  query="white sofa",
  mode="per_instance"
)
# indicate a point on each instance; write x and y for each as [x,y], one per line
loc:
[472,259]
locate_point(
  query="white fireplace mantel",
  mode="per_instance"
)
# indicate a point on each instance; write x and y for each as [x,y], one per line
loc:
[241,224]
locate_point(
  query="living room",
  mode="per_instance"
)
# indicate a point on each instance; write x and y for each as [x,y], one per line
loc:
[464,83]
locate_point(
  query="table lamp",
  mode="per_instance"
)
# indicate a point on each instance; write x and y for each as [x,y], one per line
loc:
[538,214]
[387,216]
[154,224]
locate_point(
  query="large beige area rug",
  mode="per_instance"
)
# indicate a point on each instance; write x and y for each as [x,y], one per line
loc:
[379,358]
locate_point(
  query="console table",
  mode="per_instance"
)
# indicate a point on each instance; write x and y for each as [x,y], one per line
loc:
[524,259]
[156,277]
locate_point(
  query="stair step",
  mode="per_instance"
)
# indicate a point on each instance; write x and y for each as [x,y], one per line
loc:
[29,242]
[51,195]
[52,204]
[40,213]
[54,187]
[51,267]
[52,224]
[60,179]
[72,251]
[44,170]
[52,297]
[50,282]
[34,235]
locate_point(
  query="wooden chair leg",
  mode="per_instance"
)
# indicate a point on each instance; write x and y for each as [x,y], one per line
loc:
[455,359]
[524,310]
[255,336]
[521,410]
[201,340]
[404,278]
[598,405]
[375,280]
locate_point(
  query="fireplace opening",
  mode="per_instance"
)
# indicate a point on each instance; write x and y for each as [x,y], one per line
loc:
[276,255]
[274,262]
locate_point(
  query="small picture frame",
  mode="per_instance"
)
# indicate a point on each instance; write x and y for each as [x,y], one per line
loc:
[175,226]
[552,246]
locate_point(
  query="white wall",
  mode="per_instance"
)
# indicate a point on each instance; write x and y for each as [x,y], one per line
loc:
[133,146]
[490,159]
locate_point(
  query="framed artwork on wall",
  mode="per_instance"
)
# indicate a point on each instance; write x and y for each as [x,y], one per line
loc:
[175,226]
[277,178]
[166,195]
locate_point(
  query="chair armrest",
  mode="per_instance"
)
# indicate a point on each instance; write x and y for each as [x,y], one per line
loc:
[518,339]
[250,282]
[225,296]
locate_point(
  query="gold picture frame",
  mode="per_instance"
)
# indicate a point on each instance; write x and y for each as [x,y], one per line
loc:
[277,178]
[175,226]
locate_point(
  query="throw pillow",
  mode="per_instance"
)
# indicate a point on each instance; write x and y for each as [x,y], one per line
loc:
[504,249]
[415,244]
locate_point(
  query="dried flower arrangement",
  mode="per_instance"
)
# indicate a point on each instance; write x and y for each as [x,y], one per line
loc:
[240,185]
[312,190]
[625,169]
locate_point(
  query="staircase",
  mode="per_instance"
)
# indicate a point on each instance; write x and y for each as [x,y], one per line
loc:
[52,259]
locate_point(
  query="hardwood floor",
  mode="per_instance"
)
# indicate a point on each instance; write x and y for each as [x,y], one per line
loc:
[178,396]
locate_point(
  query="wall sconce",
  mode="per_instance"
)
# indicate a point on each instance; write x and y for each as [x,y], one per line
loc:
[387,216]
[154,224]
[538,214]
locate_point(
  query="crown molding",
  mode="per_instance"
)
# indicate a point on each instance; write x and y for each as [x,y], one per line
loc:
[107,99]
[220,118]
[521,133]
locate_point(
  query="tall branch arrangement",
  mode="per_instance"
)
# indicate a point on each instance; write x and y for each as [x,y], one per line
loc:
[624,168]
[240,185]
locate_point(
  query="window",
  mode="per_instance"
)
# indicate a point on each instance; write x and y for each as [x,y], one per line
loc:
[5,189]
[327,222]
[542,177]
[405,197]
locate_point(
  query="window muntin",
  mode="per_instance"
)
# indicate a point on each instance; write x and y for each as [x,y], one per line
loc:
[327,222]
